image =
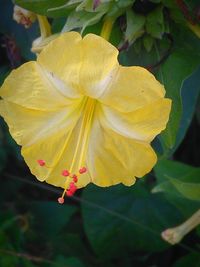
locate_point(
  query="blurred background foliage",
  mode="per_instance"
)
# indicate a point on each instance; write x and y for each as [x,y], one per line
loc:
[117,226]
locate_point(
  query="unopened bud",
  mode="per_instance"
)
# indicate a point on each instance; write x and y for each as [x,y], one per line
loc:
[23,16]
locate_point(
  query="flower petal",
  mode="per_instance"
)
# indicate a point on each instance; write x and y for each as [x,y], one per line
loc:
[99,61]
[132,88]
[142,124]
[33,87]
[27,126]
[58,152]
[114,159]
[50,136]
[63,57]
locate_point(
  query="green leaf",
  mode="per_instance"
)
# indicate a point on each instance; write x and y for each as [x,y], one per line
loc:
[135,26]
[183,65]
[124,3]
[119,7]
[148,42]
[42,7]
[88,5]
[155,23]
[177,176]
[125,219]
[189,94]
[179,66]
[192,259]
[81,20]
[70,5]
[68,262]
[175,12]
[51,217]
[155,1]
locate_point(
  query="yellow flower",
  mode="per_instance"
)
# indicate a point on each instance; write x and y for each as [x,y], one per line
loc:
[76,107]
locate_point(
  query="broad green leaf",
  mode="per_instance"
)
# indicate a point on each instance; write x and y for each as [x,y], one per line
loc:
[51,217]
[26,263]
[173,73]
[7,261]
[135,26]
[189,94]
[58,24]
[44,7]
[191,259]
[68,262]
[190,188]
[179,66]
[125,219]
[177,176]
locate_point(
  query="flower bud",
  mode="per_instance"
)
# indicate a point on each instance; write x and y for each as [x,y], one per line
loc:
[23,16]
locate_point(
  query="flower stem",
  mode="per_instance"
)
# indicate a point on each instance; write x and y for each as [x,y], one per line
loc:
[107,28]
[175,235]
[45,28]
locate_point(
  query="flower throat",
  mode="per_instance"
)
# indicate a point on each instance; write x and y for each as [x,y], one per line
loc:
[73,173]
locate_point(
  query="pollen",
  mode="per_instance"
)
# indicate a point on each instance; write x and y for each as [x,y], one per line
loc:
[65,173]
[82,170]
[41,162]
[75,178]
[69,193]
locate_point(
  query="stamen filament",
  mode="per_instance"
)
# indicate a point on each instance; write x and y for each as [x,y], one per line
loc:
[83,135]
[81,145]
[86,134]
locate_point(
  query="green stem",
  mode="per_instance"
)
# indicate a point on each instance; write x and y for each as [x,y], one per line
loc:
[107,28]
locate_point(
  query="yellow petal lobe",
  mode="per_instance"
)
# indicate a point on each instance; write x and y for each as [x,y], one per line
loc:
[99,61]
[113,158]
[132,88]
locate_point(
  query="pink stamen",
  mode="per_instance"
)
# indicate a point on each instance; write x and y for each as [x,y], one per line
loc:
[65,173]
[69,193]
[75,178]
[82,170]
[61,200]
[41,162]
[72,187]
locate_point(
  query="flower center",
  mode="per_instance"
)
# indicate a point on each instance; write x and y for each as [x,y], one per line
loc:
[80,151]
